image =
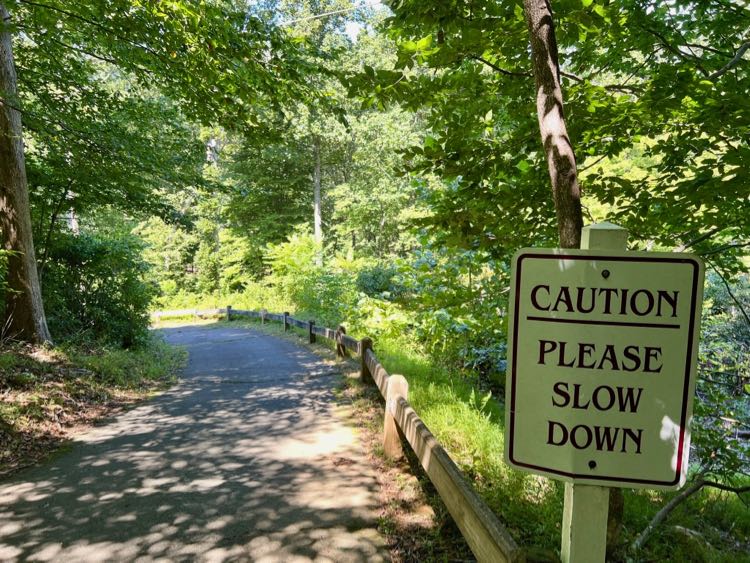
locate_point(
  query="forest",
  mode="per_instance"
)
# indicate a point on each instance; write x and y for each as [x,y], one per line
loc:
[376,165]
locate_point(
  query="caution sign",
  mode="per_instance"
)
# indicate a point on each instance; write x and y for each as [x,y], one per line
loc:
[601,368]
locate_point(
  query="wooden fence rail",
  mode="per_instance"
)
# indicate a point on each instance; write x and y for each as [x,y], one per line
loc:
[485,534]
[350,343]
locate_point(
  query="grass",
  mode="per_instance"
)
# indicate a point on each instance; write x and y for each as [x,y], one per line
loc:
[138,368]
[255,297]
[48,394]
[711,526]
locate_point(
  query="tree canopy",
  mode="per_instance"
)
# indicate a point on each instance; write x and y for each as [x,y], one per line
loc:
[668,78]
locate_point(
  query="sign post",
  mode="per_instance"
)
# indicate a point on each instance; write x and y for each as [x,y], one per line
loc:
[601,373]
[586,507]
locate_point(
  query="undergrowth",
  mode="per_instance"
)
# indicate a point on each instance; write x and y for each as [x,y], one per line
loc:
[46,393]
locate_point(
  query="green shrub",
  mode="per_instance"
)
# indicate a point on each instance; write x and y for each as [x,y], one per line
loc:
[94,289]
[154,360]
[380,319]
[459,299]
[325,293]
[255,296]
[381,281]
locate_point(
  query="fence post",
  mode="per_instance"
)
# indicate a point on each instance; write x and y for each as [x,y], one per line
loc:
[286,321]
[340,348]
[310,325]
[364,345]
[263,313]
[229,313]
[397,387]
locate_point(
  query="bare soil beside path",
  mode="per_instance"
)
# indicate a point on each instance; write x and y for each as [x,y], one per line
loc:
[245,459]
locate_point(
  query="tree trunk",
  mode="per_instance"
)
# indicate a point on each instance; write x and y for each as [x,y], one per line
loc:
[24,310]
[561,159]
[318,214]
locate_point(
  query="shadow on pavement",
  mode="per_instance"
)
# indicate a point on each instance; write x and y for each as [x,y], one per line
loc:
[244,459]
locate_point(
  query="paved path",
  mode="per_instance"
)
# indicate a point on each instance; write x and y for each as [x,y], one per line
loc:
[243,460]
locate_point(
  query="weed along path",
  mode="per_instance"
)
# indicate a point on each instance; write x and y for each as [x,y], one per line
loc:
[244,460]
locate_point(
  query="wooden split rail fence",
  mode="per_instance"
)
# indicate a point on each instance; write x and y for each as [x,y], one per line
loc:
[485,534]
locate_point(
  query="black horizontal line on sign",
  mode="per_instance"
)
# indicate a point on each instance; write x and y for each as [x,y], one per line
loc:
[604,323]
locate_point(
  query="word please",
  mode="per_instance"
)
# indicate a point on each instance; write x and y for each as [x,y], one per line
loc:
[583,355]
[605,301]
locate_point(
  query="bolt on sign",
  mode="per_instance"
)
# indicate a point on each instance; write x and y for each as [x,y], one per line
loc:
[601,370]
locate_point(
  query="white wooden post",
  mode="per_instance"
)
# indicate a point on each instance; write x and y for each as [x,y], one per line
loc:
[584,527]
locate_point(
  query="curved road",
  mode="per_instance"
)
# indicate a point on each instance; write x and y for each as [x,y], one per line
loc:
[244,460]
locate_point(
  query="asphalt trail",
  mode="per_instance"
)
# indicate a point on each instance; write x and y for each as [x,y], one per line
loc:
[244,460]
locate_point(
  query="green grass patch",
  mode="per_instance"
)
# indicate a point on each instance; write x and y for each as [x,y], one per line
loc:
[255,297]
[469,423]
[156,361]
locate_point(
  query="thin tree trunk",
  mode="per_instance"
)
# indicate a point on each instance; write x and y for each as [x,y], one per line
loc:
[318,214]
[561,159]
[53,220]
[24,310]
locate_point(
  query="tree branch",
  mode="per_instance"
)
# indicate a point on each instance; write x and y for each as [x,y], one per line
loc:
[727,488]
[613,87]
[732,8]
[110,60]
[63,126]
[97,25]
[729,291]
[733,63]
[725,247]
[688,57]
[666,510]
[53,220]
[499,69]
[709,49]
[699,238]
[597,161]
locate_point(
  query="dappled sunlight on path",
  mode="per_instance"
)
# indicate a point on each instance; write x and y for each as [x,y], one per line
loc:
[244,460]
